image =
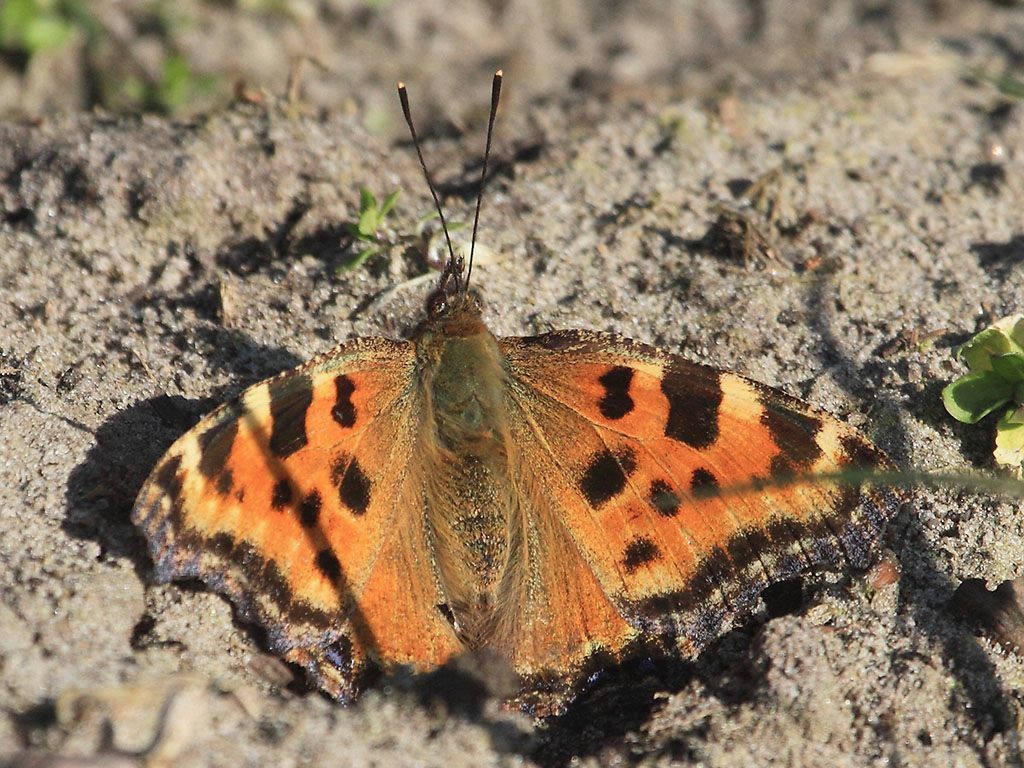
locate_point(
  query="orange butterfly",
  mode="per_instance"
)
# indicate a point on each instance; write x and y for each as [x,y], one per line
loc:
[548,498]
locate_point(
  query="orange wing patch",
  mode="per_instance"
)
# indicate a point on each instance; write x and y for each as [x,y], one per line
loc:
[635,440]
[289,500]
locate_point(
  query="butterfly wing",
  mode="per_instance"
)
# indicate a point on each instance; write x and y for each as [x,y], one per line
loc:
[622,439]
[297,502]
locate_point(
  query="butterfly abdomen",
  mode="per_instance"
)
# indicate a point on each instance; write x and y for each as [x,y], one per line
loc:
[466,458]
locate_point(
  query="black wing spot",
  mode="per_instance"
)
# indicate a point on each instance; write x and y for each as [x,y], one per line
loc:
[221,544]
[703,483]
[344,410]
[225,482]
[861,453]
[215,447]
[283,494]
[616,402]
[290,398]
[309,509]
[664,499]
[781,468]
[605,476]
[639,552]
[795,433]
[747,546]
[167,476]
[327,563]
[353,484]
[694,396]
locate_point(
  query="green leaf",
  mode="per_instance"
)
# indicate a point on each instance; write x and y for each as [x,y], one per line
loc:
[361,256]
[1009,451]
[366,200]
[1010,366]
[175,82]
[1007,84]
[368,222]
[978,352]
[1015,415]
[369,215]
[974,396]
[1013,326]
[15,18]
[422,221]
[177,86]
[46,31]
[389,203]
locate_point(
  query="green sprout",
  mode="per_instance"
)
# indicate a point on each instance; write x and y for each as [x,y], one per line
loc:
[172,90]
[370,236]
[1006,84]
[366,232]
[31,26]
[995,361]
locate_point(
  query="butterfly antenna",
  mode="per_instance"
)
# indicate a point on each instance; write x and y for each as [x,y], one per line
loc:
[495,95]
[403,96]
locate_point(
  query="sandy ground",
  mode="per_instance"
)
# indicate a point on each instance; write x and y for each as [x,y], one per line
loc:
[150,269]
[355,50]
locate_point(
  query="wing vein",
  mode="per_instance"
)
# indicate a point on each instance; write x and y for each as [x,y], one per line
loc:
[539,435]
[393,507]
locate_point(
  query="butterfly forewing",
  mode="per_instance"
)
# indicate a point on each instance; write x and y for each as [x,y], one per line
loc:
[296,501]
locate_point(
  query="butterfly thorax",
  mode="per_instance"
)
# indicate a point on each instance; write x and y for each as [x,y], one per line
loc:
[467,491]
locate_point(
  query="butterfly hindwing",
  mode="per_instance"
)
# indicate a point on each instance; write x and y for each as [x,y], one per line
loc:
[635,441]
[293,500]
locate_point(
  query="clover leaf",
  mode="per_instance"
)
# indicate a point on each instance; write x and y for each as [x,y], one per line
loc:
[995,379]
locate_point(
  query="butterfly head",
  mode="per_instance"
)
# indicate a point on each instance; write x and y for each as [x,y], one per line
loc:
[452,308]
[450,291]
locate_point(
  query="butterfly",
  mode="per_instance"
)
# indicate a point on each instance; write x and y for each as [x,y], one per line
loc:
[557,500]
